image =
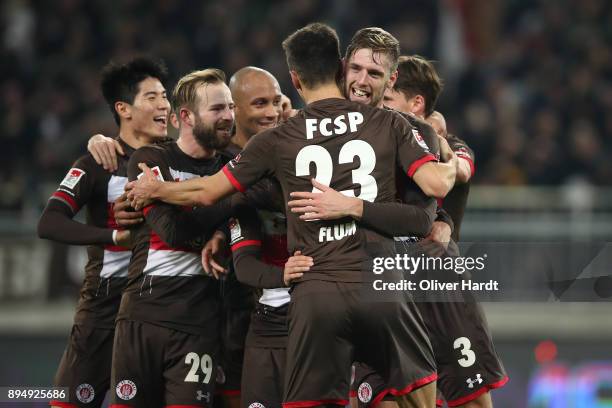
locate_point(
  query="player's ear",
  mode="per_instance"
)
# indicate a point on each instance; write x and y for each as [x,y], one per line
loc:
[295,80]
[392,79]
[419,101]
[124,110]
[186,117]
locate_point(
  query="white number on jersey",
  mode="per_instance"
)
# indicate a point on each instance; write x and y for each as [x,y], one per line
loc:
[324,166]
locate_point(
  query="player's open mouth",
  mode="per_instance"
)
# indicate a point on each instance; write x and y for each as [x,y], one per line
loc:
[267,124]
[224,131]
[162,120]
[360,93]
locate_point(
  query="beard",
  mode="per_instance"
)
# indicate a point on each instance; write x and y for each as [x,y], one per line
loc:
[207,137]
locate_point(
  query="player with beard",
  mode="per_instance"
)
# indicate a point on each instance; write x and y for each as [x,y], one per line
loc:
[166,339]
[460,334]
[137,98]
[328,297]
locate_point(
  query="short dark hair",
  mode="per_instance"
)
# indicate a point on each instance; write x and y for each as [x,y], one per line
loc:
[378,40]
[313,52]
[417,76]
[120,81]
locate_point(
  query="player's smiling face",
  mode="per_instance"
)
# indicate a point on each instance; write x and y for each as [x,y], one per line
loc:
[367,75]
[215,111]
[149,112]
[259,106]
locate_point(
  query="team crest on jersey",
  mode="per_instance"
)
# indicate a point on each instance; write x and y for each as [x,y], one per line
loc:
[235,231]
[419,139]
[85,393]
[126,390]
[156,172]
[257,405]
[364,393]
[72,178]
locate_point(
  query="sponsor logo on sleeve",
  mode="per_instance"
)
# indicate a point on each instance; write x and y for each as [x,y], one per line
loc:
[235,231]
[72,178]
[419,139]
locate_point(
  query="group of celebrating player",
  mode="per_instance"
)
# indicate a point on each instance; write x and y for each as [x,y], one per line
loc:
[297,195]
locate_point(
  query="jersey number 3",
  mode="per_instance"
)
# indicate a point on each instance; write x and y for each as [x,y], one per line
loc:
[325,166]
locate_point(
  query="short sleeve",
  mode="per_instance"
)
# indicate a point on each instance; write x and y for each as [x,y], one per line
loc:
[412,150]
[256,161]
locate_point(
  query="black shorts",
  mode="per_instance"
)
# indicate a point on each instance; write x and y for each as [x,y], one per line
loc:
[237,305]
[234,327]
[85,367]
[263,372]
[468,365]
[155,366]
[330,326]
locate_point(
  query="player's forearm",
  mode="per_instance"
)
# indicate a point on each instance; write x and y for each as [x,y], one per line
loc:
[251,271]
[177,227]
[436,179]
[57,225]
[184,193]
[397,219]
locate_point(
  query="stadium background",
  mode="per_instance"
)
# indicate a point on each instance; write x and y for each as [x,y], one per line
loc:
[527,85]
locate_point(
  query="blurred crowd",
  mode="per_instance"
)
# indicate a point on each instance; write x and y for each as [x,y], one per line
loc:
[527,82]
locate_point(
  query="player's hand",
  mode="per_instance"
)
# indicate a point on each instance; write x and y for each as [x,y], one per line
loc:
[104,151]
[124,238]
[446,153]
[124,215]
[436,243]
[140,191]
[326,205]
[295,267]
[212,255]
[287,110]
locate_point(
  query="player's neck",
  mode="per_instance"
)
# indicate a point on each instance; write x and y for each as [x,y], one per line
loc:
[134,139]
[326,91]
[188,145]
[240,139]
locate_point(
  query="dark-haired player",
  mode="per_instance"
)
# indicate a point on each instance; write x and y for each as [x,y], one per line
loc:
[356,149]
[416,91]
[468,364]
[166,338]
[136,96]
